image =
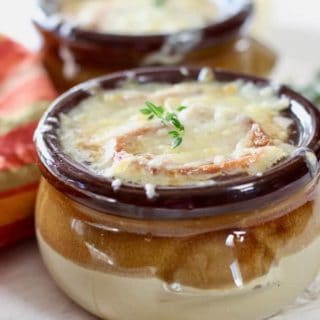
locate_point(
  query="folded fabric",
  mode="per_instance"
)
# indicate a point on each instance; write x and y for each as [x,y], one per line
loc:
[25,92]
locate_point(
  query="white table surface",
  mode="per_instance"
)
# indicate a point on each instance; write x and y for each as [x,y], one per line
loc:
[26,290]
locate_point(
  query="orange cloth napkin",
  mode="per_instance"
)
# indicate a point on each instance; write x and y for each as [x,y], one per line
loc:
[25,92]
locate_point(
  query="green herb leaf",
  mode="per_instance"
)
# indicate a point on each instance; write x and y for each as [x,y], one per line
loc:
[182,108]
[145,111]
[168,119]
[176,142]
[177,124]
[169,116]
[156,110]
[174,133]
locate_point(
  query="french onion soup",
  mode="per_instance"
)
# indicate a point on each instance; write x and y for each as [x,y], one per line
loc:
[180,194]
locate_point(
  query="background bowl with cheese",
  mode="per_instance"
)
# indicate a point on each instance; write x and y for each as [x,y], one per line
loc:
[84,39]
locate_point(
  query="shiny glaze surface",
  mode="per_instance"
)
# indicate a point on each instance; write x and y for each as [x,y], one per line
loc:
[175,251]
[213,266]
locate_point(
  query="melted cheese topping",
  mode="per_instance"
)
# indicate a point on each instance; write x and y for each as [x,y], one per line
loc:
[230,128]
[139,16]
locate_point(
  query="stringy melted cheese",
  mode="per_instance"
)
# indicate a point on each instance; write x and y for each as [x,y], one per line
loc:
[230,128]
[139,16]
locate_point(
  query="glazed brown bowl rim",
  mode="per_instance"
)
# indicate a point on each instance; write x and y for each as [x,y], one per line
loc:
[240,194]
[215,32]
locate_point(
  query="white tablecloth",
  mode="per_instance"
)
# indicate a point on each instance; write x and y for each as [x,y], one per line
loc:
[26,290]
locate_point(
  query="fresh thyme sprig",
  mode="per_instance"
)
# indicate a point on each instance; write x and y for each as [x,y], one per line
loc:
[167,118]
